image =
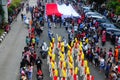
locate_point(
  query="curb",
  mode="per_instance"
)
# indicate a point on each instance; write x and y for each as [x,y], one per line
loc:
[2,37]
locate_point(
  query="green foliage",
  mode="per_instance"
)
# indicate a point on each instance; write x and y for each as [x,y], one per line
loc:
[10,11]
[14,4]
[3,25]
[113,4]
[1,31]
[17,2]
[118,10]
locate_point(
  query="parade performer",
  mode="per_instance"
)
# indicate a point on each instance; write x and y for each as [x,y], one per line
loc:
[53,44]
[75,76]
[87,74]
[49,57]
[55,75]
[76,47]
[79,57]
[62,49]
[59,43]
[61,59]
[70,66]
[76,44]
[52,68]
[64,74]
[82,66]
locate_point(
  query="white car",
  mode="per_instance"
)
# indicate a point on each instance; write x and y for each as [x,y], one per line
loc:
[90,13]
[94,15]
[86,8]
[97,17]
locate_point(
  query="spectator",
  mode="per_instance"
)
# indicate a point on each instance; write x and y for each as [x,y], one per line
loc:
[103,37]
[38,63]
[37,40]
[102,64]
[116,54]
[107,70]
[30,72]
[27,40]
[96,59]
[22,16]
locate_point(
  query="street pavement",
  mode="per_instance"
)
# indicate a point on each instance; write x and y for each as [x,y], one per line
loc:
[12,46]
[11,50]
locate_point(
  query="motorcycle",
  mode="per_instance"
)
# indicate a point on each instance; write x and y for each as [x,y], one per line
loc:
[39,75]
[44,50]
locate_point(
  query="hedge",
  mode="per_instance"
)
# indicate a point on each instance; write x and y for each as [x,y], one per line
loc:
[1,31]
[14,4]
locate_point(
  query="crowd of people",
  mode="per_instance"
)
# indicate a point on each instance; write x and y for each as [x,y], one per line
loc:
[30,59]
[84,30]
[69,64]
[93,38]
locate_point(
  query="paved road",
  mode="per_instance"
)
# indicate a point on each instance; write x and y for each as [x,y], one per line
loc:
[10,51]
[12,47]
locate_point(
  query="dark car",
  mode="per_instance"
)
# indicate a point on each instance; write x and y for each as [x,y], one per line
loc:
[103,20]
[107,25]
[112,33]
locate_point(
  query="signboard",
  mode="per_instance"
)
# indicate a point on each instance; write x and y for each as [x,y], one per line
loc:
[4,2]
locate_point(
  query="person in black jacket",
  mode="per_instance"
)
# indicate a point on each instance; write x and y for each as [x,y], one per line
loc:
[38,63]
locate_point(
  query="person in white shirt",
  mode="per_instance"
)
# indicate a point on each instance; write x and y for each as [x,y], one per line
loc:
[102,63]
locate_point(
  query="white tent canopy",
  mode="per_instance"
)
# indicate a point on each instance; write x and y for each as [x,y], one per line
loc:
[67,11]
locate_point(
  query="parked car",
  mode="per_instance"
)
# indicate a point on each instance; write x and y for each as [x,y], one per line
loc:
[85,11]
[103,20]
[91,13]
[116,19]
[94,15]
[112,34]
[86,7]
[107,25]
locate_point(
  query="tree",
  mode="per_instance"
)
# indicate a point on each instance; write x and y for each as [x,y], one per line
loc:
[113,4]
[117,10]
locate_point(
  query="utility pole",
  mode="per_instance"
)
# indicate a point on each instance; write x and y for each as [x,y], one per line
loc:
[4,6]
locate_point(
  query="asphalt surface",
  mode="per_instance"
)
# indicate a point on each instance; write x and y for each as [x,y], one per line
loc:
[11,50]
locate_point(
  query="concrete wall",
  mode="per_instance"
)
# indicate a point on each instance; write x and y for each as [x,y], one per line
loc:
[4,6]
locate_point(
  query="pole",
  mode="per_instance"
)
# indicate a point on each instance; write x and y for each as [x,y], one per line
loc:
[4,6]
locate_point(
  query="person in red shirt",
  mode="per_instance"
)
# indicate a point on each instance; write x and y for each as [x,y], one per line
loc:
[103,37]
[39,75]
